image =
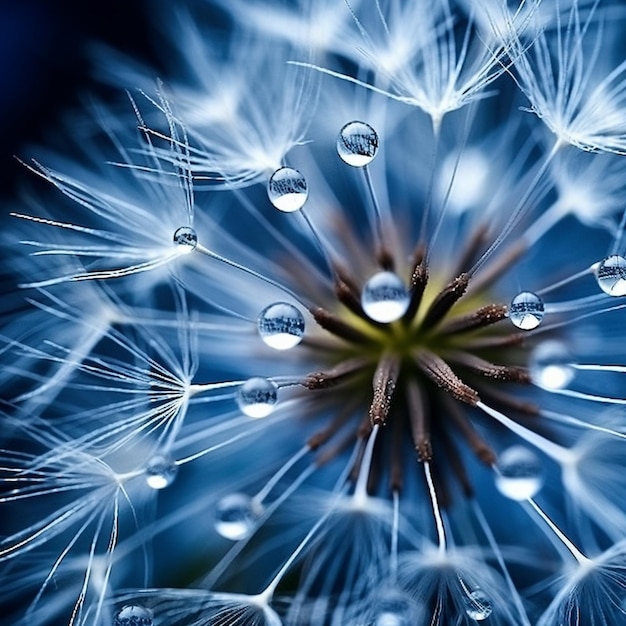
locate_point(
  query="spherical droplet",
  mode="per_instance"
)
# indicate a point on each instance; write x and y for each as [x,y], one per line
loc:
[257,397]
[526,310]
[520,474]
[287,189]
[281,326]
[235,516]
[551,365]
[160,471]
[394,609]
[385,297]
[611,275]
[478,605]
[133,615]
[357,144]
[186,238]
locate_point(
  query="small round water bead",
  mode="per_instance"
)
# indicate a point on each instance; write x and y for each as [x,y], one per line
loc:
[160,471]
[186,238]
[281,326]
[287,189]
[395,609]
[611,275]
[520,474]
[526,310]
[385,297]
[551,365]
[133,615]
[235,516]
[257,397]
[478,605]
[357,144]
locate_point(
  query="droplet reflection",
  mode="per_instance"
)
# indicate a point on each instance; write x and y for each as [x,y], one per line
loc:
[281,326]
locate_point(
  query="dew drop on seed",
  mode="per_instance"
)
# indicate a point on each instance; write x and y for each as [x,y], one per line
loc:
[611,275]
[478,605]
[287,189]
[257,397]
[281,326]
[357,144]
[520,474]
[551,365]
[160,471]
[133,615]
[235,516]
[385,297]
[526,310]
[186,238]
[395,609]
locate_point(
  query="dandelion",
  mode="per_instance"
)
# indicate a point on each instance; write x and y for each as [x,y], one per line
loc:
[325,331]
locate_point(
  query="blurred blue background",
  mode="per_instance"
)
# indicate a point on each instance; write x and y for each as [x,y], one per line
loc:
[45,66]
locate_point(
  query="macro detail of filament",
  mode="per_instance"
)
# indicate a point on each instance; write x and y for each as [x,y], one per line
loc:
[322,325]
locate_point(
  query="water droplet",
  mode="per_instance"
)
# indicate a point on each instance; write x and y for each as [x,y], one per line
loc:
[551,365]
[526,310]
[478,605]
[394,609]
[186,238]
[287,189]
[281,326]
[611,275]
[520,474]
[357,144]
[160,472]
[385,297]
[257,397]
[133,615]
[236,515]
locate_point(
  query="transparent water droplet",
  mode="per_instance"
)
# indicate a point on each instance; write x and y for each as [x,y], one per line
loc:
[520,473]
[133,615]
[357,144]
[287,189]
[478,605]
[236,515]
[281,326]
[551,365]
[526,310]
[257,397]
[160,471]
[611,275]
[394,609]
[186,238]
[385,297]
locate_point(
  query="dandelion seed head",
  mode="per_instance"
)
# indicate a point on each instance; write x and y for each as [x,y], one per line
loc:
[335,349]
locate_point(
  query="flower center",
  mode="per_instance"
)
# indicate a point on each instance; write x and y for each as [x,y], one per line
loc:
[442,348]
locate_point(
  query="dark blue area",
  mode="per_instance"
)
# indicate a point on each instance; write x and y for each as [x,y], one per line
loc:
[44,64]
